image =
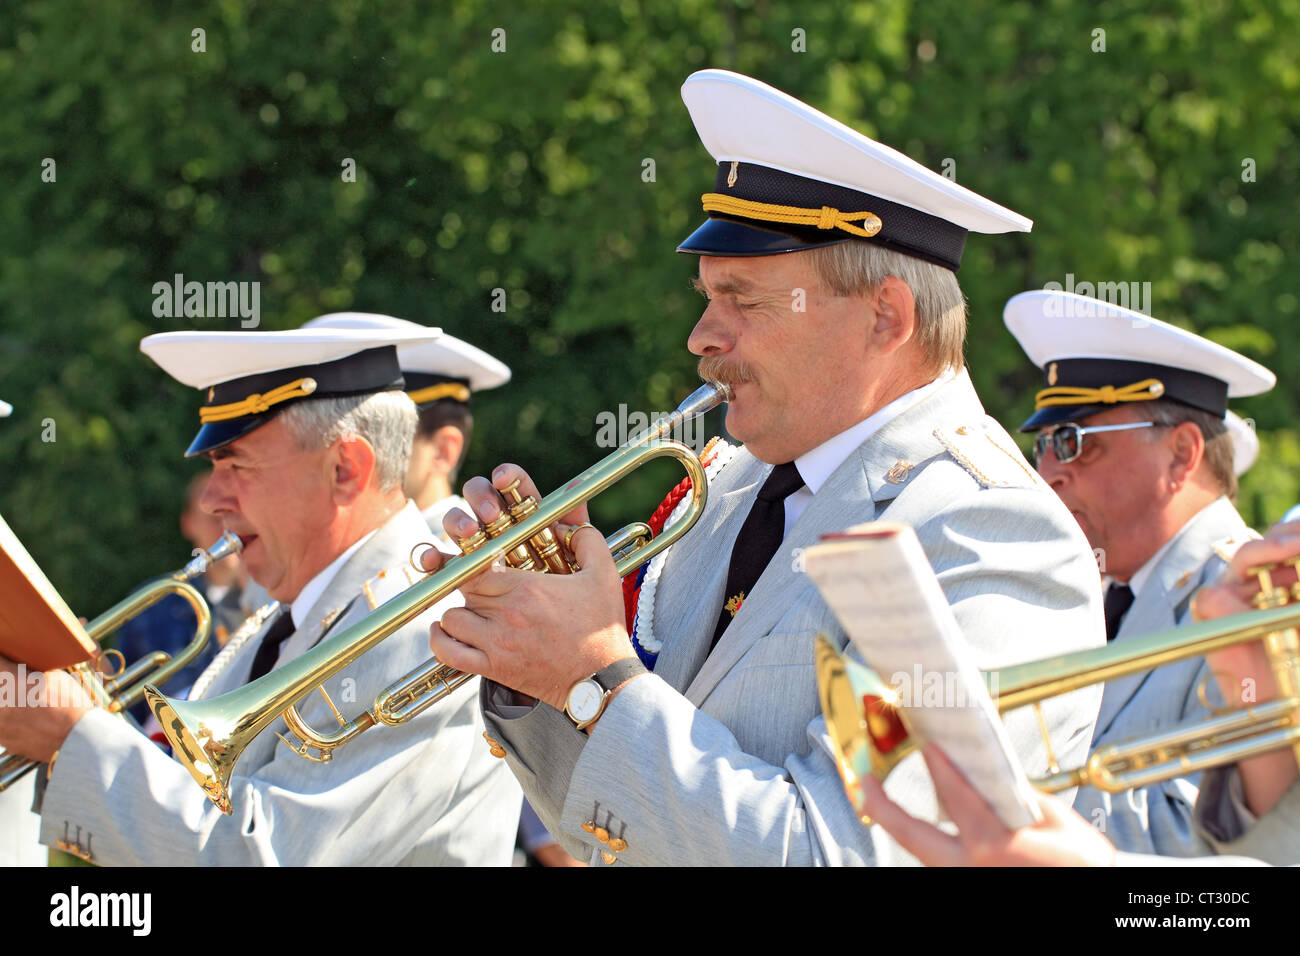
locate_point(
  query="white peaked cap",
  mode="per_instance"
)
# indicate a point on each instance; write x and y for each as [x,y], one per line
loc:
[1052,325]
[1245,443]
[740,119]
[448,356]
[204,359]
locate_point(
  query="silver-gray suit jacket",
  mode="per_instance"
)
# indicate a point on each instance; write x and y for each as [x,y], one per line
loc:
[1158,819]
[722,757]
[427,792]
[1230,828]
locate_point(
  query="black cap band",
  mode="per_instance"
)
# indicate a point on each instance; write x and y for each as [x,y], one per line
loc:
[1107,378]
[365,372]
[902,228]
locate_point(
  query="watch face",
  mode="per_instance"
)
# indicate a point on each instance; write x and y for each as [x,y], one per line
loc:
[584,700]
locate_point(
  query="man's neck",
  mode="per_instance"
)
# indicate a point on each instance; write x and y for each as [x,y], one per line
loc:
[1165,525]
[436,489]
[350,525]
[875,396]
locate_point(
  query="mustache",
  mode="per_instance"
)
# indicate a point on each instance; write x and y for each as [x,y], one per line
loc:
[717,369]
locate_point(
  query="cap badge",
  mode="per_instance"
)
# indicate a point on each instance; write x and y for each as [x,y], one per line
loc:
[731,176]
[1051,374]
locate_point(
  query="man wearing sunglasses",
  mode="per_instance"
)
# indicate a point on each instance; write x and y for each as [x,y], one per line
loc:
[1130,433]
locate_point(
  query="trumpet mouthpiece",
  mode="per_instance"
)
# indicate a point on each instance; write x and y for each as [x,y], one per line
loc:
[705,398]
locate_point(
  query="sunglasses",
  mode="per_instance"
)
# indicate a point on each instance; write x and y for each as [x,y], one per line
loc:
[1066,441]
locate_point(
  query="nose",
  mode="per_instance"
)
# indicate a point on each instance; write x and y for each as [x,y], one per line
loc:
[217,498]
[711,335]
[1051,470]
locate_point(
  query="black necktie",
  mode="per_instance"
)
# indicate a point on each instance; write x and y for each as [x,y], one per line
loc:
[269,651]
[1119,598]
[759,537]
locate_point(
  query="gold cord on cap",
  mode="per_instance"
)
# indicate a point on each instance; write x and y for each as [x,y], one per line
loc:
[826,217]
[256,404]
[1142,391]
[434,392]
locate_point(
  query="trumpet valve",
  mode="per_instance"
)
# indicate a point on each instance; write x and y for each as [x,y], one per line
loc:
[472,542]
[542,547]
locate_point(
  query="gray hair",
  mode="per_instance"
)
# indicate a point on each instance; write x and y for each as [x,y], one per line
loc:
[385,419]
[857,268]
[1218,440]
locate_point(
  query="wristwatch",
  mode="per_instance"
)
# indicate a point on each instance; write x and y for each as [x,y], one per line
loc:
[588,697]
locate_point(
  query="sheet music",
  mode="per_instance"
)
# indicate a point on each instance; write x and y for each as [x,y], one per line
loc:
[876,579]
[36,627]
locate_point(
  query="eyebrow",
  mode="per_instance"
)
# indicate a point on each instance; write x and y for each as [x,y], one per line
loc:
[725,286]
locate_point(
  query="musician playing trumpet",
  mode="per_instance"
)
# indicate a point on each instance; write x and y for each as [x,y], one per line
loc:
[833,312]
[309,433]
[1130,432]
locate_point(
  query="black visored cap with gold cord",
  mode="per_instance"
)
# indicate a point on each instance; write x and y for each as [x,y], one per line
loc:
[250,377]
[791,178]
[1096,356]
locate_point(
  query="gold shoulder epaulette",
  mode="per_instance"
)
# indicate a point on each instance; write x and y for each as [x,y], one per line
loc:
[388,584]
[987,457]
[1226,548]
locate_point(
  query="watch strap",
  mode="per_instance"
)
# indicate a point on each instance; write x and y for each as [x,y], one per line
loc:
[619,671]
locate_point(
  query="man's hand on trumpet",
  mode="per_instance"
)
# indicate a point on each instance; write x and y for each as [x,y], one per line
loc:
[536,633]
[1243,672]
[41,712]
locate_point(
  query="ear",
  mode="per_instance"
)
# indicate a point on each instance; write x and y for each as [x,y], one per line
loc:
[1186,445]
[895,321]
[448,442]
[352,466]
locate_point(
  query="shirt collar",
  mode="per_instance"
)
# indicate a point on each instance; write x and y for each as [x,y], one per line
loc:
[434,514]
[312,591]
[817,466]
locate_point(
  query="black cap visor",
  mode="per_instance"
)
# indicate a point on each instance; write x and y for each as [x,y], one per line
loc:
[728,237]
[215,434]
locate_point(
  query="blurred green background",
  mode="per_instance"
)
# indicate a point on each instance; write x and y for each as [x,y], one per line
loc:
[523,170]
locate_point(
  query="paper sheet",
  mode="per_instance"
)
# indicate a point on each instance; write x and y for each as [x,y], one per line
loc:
[876,579]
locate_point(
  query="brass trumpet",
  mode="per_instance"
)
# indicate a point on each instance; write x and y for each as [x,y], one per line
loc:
[123,690]
[208,736]
[871,736]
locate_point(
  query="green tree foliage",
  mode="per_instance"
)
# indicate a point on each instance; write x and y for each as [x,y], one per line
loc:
[524,170]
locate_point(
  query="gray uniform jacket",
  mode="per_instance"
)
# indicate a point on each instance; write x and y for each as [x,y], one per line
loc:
[722,758]
[1158,818]
[1229,827]
[427,792]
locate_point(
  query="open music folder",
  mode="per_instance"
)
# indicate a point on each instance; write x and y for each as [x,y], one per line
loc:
[877,581]
[36,627]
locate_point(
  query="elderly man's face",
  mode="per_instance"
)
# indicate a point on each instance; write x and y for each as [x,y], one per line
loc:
[796,375]
[1113,487]
[278,499]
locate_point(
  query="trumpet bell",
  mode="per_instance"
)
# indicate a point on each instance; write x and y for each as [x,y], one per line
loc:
[207,753]
[862,719]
